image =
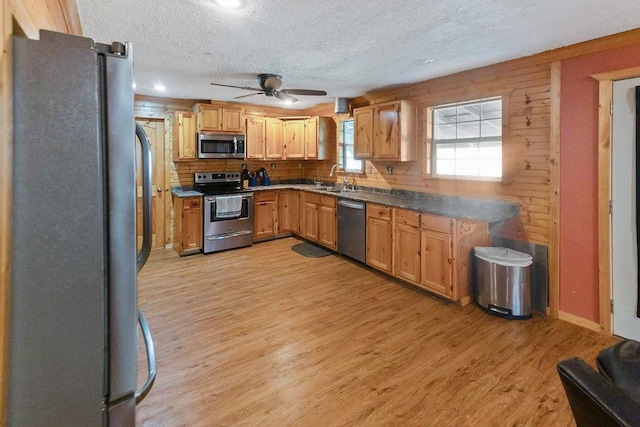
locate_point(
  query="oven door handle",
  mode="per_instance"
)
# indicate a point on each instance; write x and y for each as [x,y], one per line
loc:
[143,255]
[226,236]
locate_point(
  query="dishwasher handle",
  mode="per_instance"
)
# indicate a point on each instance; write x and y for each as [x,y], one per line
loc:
[352,205]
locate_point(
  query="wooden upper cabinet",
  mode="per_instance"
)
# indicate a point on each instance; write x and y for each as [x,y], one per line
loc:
[364,132]
[311,139]
[255,138]
[216,118]
[274,139]
[320,141]
[386,131]
[184,136]
[232,120]
[387,139]
[294,138]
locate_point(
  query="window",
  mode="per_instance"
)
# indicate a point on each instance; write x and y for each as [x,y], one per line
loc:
[345,148]
[467,140]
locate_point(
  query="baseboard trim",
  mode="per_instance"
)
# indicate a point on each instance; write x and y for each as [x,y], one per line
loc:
[572,318]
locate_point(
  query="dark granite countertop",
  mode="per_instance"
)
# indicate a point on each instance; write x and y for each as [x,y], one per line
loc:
[450,206]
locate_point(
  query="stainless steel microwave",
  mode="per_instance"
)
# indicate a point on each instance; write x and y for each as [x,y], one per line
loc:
[221,146]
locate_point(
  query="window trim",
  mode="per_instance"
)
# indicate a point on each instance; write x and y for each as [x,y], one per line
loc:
[430,146]
[341,149]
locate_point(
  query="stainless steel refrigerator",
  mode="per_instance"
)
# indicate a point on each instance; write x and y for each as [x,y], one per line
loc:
[73,298]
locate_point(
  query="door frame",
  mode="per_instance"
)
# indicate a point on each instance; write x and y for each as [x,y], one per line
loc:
[166,181]
[604,190]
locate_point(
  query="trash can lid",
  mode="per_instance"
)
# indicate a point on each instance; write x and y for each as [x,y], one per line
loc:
[503,256]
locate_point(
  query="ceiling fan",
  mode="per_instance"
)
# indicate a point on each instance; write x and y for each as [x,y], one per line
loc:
[270,85]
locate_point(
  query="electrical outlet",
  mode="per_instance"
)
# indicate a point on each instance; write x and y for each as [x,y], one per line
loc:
[389,170]
[299,164]
[273,165]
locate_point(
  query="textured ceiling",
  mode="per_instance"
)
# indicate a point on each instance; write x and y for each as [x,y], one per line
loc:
[345,47]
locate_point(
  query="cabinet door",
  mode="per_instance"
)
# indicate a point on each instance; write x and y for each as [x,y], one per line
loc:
[274,139]
[327,226]
[264,219]
[437,262]
[289,212]
[407,252]
[379,244]
[184,136]
[294,136]
[311,139]
[387,137]
[232,120]
[209,117]
[364,132]
[310,221]
[255,138]
[191,224]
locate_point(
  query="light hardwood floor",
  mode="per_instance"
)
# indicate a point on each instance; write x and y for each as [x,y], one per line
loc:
[265,336]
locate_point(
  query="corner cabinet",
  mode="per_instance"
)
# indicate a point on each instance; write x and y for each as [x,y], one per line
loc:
[310,139]
[187,232]
[218,118]
[386,131]
[184,136]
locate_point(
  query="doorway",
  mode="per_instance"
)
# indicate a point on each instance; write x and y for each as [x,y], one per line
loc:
[624,247]
[154,129]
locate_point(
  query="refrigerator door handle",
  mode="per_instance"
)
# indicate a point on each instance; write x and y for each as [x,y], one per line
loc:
[143,255]
[151,358]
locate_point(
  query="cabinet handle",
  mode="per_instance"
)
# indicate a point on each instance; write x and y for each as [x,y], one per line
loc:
[194,204]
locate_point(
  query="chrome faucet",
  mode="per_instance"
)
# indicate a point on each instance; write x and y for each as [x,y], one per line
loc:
[333,168]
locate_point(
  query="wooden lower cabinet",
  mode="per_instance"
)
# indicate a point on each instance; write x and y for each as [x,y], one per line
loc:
[187,230]
[406,253]
[265,223]
[319,223]
[379,237]
[434,252]
[327,225]
[289,212]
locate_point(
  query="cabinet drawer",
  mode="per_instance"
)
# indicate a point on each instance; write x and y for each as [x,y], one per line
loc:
[407,217]
[264,196]
[312,198]
[191,203]
[328,201]
[437,223]
[378,211]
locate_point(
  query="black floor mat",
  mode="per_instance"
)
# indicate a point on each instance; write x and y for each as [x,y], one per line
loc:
[309,250]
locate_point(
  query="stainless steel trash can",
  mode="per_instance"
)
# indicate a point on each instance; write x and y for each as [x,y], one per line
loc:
[501,284]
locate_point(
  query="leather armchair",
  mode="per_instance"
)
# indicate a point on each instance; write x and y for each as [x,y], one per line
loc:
[610,397]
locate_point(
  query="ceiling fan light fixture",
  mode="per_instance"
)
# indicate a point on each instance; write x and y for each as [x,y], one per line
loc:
[231,4]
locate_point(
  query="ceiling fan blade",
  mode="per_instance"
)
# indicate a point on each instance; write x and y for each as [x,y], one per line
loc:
[284,97]
[304,92]
[255,89]
[251,94]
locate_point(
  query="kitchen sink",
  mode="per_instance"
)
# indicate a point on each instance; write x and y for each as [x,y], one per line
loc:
[332,189]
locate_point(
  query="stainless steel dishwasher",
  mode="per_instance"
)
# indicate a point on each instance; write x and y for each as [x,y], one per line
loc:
[352,234]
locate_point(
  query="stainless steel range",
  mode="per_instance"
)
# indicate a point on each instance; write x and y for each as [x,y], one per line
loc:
[228,211]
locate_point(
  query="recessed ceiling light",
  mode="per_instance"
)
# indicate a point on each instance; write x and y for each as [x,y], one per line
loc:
[425,61]
[160,87]
[231,4]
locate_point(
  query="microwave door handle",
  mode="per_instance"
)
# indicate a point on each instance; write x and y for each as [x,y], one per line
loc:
[235,145]
[151,358]
[143,255]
